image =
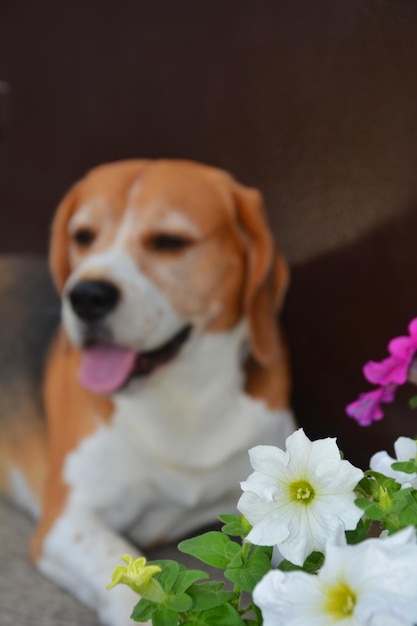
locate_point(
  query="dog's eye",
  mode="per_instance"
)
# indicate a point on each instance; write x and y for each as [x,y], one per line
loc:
[83,237]
[168,243]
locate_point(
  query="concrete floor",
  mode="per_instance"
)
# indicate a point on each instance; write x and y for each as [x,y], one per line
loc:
[26,598]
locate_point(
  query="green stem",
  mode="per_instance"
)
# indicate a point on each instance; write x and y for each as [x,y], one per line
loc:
[236,588]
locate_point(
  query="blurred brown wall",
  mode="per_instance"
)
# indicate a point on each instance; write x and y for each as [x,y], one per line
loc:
[313,101]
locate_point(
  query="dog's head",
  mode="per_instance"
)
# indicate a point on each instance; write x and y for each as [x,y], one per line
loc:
[147,253]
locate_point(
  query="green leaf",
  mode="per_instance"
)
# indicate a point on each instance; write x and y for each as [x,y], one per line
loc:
[287,566]
[313,562]
[405,506]
[164,617]
[233,525]
[227,518]
[412,403]
[372,510]
[237,560]
[209,595]
[268,550]
[408,517]
[144,610]
[232,550]
[390,484]
[169,573]
[250,574]
[187,578]
[377,480]
[180,602]
[408,467]
[400,501]
[224,615]
[213,548]
[359,534]
[365,486]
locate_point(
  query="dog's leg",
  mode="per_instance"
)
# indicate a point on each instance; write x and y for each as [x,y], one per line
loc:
[72,545]
[79,553]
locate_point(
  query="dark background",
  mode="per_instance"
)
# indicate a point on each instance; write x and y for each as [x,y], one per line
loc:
[312,101]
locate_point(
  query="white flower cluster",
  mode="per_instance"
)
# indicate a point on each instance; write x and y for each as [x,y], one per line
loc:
[302,500]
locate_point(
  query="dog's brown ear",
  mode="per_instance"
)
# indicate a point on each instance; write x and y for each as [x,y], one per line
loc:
[266,277]
[58,251]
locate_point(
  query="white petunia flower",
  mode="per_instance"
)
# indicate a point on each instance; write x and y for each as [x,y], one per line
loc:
[405,450]
[373,583]
[298,498]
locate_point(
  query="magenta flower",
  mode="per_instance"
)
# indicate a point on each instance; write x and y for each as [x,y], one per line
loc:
[366,409]
[394,369]
[388,374]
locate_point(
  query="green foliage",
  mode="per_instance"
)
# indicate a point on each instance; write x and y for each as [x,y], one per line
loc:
[412,403]
[311,565]
[225,615]
[189,599]
[359,534]
[209,595]
[383,500]
[409,467]
[214,548]
[252,569]
[235,526]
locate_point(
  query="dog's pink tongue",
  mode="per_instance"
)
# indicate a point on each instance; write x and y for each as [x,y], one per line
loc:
[105,369]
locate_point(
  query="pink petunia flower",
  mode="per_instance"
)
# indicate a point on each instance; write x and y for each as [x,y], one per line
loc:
[388,374]
[366,409]
[394,369]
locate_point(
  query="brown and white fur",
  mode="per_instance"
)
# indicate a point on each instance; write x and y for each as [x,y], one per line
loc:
[189,254]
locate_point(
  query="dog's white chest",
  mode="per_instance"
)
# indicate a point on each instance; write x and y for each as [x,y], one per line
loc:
[177,444]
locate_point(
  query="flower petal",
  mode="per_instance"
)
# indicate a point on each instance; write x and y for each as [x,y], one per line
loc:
[299,449]
[412,329]
[402,348]
[266,459]
[390,370]
[336,477]
[272,530]
[254,507]
[322,452]
[405,448]
[366,409]
[289,599]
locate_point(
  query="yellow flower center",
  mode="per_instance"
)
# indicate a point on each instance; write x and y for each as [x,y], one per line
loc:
[301,491]
[341,601]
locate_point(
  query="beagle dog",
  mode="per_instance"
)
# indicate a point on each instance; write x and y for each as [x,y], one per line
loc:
[167,368]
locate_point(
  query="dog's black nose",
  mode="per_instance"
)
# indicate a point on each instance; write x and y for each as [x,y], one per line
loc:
[93,299]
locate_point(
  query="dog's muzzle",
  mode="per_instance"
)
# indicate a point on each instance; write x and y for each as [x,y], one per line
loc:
[106,368]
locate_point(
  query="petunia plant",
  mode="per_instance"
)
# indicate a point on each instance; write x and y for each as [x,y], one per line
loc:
[318,542]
